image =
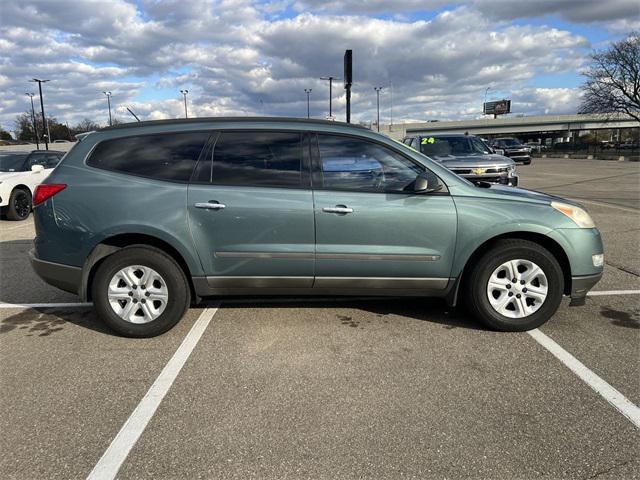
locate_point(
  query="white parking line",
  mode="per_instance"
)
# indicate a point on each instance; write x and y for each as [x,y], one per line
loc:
[18,226]
[258,301]
[598,293]
[24,306]
[113,458]
[606,391]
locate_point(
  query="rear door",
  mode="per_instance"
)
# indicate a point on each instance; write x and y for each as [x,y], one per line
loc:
[371,230]
[251,210]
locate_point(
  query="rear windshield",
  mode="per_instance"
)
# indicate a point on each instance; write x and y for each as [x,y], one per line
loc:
[12,162]
[167,156]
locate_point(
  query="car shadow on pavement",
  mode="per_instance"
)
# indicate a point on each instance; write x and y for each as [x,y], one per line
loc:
[432,310]
[43,322]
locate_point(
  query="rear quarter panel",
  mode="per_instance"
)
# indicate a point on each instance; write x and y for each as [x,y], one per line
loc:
[98,204]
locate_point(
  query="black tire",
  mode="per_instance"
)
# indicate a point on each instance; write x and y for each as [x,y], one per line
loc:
[179,294]
[503,251]
[20,205]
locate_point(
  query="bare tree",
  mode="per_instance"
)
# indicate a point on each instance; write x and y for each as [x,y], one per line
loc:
[613,79]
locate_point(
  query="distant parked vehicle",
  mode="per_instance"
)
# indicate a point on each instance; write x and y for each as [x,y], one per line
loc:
[535,147]
[513,149]
[20,172]
[468,156]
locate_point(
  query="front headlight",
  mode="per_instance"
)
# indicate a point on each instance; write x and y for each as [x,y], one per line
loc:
[511,169]
[577,214]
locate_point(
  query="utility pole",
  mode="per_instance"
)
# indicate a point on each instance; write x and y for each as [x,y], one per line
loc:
[184,95]
[485,101]
[378,89]
[33,119]
[108,94]
[44,121]
[331,79]
[308,92]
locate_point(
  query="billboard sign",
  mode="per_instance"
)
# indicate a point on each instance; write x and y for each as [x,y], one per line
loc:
[499,107]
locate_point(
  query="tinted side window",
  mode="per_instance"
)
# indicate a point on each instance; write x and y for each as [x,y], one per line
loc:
[262,159]
[168,156]
[358,165]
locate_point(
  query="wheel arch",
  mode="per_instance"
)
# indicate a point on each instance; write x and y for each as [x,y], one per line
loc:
[23,186]
[541,239]
[117,242]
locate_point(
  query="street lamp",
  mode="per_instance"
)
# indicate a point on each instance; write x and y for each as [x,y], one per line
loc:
[308,92]
[485,100]
[331,79]
[44,121]
[33,119]
[378,89]
[108,94]
[184,95]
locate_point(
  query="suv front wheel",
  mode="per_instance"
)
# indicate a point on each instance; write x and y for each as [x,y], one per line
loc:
[515,286]
[140,292]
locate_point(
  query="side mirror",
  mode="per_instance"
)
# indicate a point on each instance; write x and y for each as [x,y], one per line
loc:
[37,168]
[427,182]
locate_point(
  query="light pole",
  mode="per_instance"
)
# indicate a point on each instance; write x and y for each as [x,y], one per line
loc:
[108,94]
[184,95]
[44,121]
[331,79]
[33,119]
[485,100]
[308,92]
[378,89]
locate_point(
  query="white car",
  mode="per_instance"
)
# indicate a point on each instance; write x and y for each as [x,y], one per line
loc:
[20,172]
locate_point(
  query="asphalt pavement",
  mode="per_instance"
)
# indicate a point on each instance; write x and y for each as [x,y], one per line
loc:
[331,388]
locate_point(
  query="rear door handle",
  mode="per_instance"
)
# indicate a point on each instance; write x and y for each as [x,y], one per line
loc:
[211,205]
[342,209]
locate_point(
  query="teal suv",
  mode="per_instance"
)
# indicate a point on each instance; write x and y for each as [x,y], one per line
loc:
[145,219]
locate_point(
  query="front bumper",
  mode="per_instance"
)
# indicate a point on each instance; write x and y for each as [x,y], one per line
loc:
[580,286]
[64,277]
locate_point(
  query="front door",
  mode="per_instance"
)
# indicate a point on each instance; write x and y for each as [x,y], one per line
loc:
[251,211]
[372,231]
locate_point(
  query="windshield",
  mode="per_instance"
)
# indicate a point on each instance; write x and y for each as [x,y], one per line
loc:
[463,145]
[12,162]
[509,142]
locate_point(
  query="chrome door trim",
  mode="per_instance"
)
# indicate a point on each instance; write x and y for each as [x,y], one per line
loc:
[381,282]
[383,256]
[330,256]
[210,206]
[337,209]
[259,282]
[298,255]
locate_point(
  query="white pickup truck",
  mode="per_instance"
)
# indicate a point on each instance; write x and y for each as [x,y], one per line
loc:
[20,172]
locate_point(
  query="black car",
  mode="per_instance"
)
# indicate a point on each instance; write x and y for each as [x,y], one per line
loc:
[513,148]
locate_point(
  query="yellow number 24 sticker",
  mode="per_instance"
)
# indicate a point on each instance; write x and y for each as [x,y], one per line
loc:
[427,140]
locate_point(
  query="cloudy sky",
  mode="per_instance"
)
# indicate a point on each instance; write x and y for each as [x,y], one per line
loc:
[434,58]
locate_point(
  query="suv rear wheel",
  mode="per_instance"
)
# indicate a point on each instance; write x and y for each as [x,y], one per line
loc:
[140,292]
[19,206]
[515,286]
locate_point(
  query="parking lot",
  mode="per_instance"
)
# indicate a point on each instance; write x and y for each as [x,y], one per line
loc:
[332,388]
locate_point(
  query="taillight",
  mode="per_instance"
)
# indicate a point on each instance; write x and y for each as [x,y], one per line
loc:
[44,192]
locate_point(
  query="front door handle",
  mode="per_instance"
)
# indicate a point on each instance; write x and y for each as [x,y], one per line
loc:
[211,205]
[341,209]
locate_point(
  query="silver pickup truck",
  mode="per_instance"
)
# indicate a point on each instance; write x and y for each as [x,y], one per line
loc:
[466,155]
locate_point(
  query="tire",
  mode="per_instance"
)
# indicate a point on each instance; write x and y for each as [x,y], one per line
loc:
[523,312]
[20,205]
[150,309]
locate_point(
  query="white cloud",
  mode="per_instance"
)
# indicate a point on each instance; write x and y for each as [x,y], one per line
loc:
[237,57]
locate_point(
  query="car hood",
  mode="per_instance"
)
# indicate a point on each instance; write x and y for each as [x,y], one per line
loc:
[515,193]
[489,160]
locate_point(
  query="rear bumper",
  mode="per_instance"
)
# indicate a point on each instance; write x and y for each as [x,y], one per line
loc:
[64,277]
[581,285]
